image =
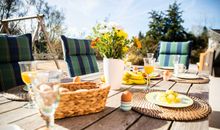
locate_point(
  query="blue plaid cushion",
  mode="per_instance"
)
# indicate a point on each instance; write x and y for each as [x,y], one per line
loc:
[12,50]
[80,57]
[167,51]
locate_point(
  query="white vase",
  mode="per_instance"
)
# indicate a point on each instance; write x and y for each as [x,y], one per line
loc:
[113,72]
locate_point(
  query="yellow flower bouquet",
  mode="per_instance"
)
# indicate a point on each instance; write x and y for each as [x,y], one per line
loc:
[112,42]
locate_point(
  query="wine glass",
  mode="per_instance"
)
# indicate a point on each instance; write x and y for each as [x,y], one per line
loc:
[148,69]
[28,71]
[46,89]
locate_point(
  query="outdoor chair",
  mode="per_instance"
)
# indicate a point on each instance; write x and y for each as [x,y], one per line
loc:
[216,63]
[167,51]
[79,56]
[206,61]
[12,50]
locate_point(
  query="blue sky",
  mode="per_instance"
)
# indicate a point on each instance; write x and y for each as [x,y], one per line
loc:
[133,15]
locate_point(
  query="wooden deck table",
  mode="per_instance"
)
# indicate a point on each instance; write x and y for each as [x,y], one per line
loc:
[112,118]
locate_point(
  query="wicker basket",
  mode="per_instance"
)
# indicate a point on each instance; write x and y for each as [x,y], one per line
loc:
[81,98]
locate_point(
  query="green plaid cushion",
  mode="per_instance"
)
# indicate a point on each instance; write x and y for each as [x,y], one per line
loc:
[77,46]
[80,57]
[169,49]
[9,76]
[12,50]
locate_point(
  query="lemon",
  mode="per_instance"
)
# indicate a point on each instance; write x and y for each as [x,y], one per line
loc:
[169,91]
[171,97]
[163,99]
[177,100]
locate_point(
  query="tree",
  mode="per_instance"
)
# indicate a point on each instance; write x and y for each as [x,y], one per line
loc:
[167,26]
[156,26]
[199,45]
[54,20]
[10,8]
[174,31]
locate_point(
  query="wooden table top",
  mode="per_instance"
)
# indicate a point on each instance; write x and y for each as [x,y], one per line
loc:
[111,118]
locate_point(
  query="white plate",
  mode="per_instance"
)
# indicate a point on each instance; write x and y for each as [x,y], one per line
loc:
[155,75]
[166,67]
[139,67]
[154,97]
[187,76]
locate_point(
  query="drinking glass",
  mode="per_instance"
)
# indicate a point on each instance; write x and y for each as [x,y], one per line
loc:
[127,64]
[176,61]
[46,89]
[28,71]
[150,55]
[148,69]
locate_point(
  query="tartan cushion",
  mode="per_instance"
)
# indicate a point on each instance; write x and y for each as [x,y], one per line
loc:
[12,48]
[77,46]
[80,57]
[167,51]
[10,75]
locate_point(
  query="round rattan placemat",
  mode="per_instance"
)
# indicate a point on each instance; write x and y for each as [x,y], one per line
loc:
[16,94]
[201,80]
[200,109]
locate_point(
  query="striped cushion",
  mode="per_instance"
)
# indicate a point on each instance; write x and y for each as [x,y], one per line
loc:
[167,51]
[181,48]
[12,50]
[80,57]
[77,46]
[167,60]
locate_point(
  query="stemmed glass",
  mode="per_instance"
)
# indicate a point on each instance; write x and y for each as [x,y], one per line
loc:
[148,68]
[46,89]
[28,69]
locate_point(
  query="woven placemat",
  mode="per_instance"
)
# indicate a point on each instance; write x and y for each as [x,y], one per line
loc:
[200,109]
[16,94]
[201,80]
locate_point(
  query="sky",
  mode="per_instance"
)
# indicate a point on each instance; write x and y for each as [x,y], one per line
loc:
[132,15]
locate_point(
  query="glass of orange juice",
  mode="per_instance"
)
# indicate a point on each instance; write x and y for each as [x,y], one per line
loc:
[28,71]
[148,69]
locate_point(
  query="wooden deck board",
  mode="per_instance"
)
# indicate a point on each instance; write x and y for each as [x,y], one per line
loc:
[164,85]
[11,106]
[117,120]
[4,100]
[148,123]
[16,114]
